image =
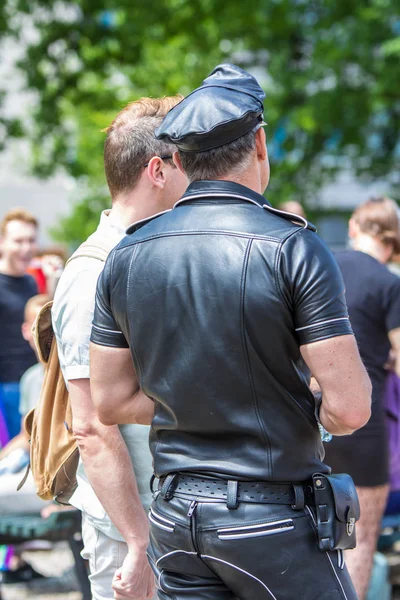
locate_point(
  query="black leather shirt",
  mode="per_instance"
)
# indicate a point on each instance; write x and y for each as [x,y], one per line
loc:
[215,298]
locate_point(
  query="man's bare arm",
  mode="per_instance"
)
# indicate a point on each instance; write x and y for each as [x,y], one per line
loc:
[346,389]
[107,464]
[109,469]
[115,388]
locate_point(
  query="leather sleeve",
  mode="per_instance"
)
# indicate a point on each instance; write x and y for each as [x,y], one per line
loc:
[105,329]
[313,288]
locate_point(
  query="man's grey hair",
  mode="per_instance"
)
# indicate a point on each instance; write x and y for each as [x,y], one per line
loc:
[130,142]
[230,159]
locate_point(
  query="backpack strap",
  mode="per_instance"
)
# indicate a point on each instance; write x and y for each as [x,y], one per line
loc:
[90,250]
[43,333]
[97,246]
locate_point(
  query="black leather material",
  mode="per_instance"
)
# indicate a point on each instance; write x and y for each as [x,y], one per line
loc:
[233,491]
[214,299]
[337,510]
[204,551]
[227,105]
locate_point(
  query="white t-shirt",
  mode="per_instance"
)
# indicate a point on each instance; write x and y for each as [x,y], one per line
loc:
[72,315]
[30,387]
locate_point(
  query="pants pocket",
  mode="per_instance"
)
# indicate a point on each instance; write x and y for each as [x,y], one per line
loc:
[252,531]
[160,521]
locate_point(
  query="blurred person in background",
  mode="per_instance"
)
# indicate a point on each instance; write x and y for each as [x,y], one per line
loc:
[18,235]
[294,207]
[143,180]
[373,299]
[14,457]
[46,268]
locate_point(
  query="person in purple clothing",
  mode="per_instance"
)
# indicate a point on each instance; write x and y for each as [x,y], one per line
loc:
[373,300]
[18,235]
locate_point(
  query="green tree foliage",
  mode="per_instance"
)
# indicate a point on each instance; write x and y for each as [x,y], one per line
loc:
[330,70]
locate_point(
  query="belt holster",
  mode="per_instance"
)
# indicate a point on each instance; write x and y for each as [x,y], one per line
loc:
[337,510]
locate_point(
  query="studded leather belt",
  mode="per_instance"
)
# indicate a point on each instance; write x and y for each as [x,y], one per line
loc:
[233,491]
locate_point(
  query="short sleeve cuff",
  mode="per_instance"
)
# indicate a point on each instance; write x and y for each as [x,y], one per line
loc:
[77,372]
[107,337]
[323,330]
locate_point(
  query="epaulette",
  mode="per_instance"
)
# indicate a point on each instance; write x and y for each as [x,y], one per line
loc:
[291,217]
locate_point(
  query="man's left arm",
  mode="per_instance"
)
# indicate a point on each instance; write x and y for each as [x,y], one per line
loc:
[117,398]
[114,384]
[115,388]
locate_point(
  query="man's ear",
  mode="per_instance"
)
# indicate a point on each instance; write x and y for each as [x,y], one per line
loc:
[261,144]
[354,229]
[155,172]
[177,162]
[26,333]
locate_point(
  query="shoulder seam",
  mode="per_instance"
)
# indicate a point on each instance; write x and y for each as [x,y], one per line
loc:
[278,257]
[204,232]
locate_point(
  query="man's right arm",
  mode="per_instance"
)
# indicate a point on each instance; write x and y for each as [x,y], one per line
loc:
[313,288]
[346,389]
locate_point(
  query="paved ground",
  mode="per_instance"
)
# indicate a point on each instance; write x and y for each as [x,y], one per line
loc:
[62,584]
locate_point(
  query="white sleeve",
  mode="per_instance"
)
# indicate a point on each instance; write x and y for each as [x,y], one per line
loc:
[73,315]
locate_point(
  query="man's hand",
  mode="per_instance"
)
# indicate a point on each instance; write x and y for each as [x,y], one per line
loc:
[135,579]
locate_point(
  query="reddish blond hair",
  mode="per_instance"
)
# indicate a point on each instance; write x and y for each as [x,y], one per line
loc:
[17,214]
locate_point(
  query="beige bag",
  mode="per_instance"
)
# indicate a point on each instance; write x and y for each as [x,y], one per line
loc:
[54,453]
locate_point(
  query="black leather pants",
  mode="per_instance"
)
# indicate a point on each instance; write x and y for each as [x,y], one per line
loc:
[200,550]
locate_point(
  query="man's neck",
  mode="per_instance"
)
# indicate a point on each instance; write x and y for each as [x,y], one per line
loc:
[249,178]
[7,269]
[371,246]
[132,208]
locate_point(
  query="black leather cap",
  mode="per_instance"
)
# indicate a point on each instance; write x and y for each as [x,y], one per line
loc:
[227,105]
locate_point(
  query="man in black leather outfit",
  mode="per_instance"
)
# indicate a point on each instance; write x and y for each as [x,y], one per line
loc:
[225,305]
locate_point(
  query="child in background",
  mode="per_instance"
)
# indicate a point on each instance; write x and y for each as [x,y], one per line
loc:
[14,458]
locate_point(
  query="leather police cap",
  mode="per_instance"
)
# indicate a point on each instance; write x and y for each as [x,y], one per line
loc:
[227,105]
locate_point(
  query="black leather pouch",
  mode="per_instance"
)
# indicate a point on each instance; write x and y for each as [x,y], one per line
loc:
[337,510]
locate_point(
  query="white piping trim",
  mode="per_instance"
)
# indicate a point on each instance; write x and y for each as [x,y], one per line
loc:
[288,214]
[159,581]
[206,195]
[326,553]
[174,552]
[148,218]
[253,534]
[203,556]
[158,516]
[160,525]
[336,575]
[308,509]
[104,329]
[322,323]
[230,529]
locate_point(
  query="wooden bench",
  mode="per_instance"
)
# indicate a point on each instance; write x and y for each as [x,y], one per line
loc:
[59,526]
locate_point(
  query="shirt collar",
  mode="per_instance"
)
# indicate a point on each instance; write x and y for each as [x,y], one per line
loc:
[220,189]
[109,224]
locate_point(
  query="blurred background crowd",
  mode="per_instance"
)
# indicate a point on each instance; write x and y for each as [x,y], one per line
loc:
[331,73]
